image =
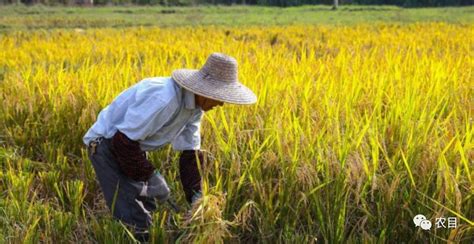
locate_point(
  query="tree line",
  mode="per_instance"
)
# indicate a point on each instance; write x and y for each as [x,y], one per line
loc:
[280,3]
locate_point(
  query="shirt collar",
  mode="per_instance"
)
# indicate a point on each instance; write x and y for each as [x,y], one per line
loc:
[189,99]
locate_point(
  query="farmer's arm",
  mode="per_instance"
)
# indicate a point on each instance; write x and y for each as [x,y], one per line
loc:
[189,173]
[131,159]
[146,114]
[189,142]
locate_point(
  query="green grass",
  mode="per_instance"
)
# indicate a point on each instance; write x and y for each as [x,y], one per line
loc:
[22,17]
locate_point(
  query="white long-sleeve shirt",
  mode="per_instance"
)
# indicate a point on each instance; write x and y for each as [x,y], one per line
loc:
[155,111]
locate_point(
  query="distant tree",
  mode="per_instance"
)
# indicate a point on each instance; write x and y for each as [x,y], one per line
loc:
[280,3]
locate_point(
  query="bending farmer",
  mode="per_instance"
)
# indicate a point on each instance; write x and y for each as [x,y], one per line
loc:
[152,113]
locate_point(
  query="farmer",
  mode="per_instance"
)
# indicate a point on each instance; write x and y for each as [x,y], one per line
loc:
[145,117]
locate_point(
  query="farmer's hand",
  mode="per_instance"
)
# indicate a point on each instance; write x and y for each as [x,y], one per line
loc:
[156,187]
[196,197]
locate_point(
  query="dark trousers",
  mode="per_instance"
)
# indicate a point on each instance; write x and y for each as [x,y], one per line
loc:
[121,196]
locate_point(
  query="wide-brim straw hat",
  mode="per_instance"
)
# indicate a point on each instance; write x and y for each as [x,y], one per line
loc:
[217,80]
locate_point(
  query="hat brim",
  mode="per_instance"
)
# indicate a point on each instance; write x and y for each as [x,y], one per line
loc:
[228,92]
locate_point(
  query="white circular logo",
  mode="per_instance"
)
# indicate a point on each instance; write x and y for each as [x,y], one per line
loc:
[418,218]
[425,224]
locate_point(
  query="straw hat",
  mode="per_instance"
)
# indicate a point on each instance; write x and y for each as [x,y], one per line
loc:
[217,80]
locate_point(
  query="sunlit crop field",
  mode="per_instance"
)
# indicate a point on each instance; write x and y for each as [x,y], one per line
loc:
[356,130]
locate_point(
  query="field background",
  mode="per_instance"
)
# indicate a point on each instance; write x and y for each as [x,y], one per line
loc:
[44,17]
[364,120]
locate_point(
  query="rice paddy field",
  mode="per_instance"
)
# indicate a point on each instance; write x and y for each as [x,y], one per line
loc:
[357,129]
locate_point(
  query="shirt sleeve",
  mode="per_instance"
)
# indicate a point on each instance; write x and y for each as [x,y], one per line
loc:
[190,136]
[146,114]
[131,159]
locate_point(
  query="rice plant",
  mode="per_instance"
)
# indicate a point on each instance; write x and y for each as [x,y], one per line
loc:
[357,129]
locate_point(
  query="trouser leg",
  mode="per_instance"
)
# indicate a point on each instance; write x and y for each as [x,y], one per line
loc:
[121,196]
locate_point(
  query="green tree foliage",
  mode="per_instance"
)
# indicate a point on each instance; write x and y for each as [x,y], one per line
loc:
[280,3]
